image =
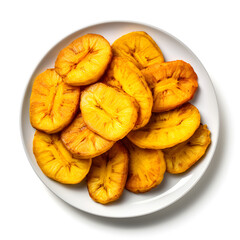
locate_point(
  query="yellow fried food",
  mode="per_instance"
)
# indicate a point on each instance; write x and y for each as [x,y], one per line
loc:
[182,156]
[139,48]
[107,177]
[172,84]
[167,129]
[56,162]
[82,142]
[53,103]
[146,168]
[124,75]
[84,61]
[109,112]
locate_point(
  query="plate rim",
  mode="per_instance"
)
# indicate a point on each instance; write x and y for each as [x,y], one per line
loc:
[141,213]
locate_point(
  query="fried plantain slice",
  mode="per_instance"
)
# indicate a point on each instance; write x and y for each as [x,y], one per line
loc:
[56,162]
[84,61]
[172,84]
[107,177]
[146,168]
[82,142]
[108,111]
[124,75]
[182,156]
[139,48]
[53,103]
[167,129]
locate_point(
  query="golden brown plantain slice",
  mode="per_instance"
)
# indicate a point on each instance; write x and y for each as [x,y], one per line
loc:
[82,142]
[56,162]
[146,168]
[124,75]
[108,111]
[107,177]
[139,48]
[53,103]
[84,61]
[172,84]
[182,156]
[167,129]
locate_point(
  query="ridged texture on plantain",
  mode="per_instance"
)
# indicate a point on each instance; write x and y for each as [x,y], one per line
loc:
[84,61]
[139,48]
[82,142]
[146,168]
[124,75]
[53,103]
[172,84]
[108,111]
[107,177]
[182,156]
[56,162]
[167,129]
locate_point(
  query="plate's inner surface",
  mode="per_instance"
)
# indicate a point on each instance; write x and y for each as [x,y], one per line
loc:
[173,186]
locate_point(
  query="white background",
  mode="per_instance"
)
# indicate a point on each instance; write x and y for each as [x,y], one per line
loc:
[28,210]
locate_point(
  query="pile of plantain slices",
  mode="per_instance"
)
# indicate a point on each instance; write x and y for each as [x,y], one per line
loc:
[117,116]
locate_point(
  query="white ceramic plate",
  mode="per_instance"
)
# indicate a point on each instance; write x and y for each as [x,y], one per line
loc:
[173,187]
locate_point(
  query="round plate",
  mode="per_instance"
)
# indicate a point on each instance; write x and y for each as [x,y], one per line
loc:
[173,187]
